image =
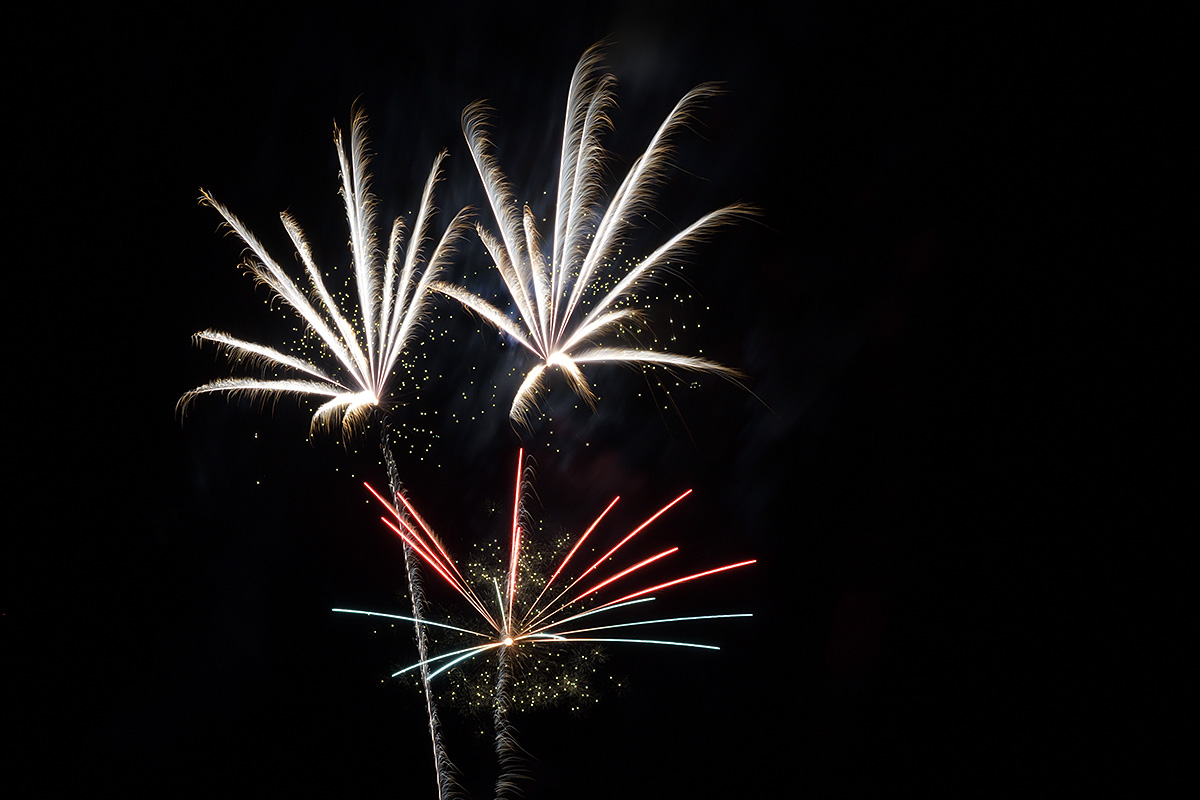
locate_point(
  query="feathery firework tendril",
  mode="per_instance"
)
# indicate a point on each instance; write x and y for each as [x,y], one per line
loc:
[514,625]
[558,321]
[391,301]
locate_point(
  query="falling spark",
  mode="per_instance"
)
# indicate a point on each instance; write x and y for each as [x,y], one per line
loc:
[557,319]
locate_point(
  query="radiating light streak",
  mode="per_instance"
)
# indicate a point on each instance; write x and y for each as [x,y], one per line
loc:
[548,293]
[460,659]
[688,578]
[411,619]
[651,641]
[639,623]
[469,651]
[542,635]
[591,611]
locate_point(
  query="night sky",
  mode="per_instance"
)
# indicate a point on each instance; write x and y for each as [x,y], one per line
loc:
[948,456]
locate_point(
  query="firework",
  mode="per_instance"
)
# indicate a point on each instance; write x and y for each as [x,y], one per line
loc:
[508,622]
[366,343]
[566,313]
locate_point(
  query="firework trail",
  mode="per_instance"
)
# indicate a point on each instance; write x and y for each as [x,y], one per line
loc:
[391,303]
[553,617]
[507,750]
[446,772]
[559,319]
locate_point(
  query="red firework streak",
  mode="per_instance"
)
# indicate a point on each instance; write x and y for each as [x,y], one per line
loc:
[542,622]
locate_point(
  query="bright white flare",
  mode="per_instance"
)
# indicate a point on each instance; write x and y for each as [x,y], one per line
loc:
[557,318]
[391,301]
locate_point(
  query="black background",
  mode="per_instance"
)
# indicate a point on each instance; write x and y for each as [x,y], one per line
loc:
[956,470]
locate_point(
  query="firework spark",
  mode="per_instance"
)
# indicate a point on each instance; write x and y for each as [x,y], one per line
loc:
[510,623]
[559,319]
[391,301]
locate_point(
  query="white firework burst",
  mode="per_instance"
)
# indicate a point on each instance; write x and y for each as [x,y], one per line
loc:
[366,342]
[559,319]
